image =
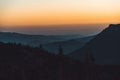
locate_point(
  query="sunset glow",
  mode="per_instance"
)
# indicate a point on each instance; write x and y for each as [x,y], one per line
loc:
[47,12]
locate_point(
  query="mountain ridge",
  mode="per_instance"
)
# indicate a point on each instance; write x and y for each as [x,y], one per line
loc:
[68,45]
[105,46]
[33,40]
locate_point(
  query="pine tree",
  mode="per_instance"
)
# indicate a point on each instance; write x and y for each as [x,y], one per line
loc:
[86,58]
[40,46]
[92,59]
[60,62]
[60,50]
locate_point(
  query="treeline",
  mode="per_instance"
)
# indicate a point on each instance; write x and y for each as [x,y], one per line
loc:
[20,62]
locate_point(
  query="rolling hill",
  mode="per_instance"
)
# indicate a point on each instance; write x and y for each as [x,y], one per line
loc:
[33,40]
[68,45]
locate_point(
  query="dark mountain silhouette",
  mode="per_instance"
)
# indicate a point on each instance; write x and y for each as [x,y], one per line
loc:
[18,62]
[68,45]
[105,47]
[34,40]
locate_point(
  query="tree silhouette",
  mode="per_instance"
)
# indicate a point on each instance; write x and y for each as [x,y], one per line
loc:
[60,50]
[20,62]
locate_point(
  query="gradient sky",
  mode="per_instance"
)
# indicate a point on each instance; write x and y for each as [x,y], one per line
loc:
[58,12]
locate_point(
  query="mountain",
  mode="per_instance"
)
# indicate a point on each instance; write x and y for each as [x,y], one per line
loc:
[19,62]
[67,45]
[33,40]
[104,48]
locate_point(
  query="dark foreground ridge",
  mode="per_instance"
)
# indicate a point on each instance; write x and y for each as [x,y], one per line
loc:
[105,47]
[18,62]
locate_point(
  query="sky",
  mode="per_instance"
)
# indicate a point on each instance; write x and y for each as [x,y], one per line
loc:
[21,14]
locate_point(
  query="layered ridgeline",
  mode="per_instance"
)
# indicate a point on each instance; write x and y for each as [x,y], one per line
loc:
[68,45]
[33,40]
[18,62]
[49,42]
[103,49]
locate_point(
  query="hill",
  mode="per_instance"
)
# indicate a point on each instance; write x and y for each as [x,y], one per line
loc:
[33,40]
[68,45]
[105,47]
[18,62]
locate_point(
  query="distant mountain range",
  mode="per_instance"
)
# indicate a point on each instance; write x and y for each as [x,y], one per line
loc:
[105,47]
[23,62]
[34,40]
[67,45]
[50,42]
[20,62]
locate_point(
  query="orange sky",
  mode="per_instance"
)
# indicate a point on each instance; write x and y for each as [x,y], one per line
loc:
[66,18]
[49,12]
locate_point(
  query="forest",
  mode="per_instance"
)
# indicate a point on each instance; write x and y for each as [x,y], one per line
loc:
[20,62]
